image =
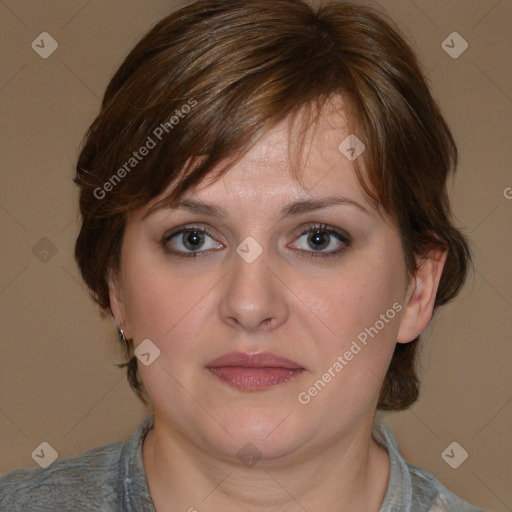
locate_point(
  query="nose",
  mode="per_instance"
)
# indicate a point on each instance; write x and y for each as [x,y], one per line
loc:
[253,298]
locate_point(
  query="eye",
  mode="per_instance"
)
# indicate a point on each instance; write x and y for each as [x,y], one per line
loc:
[321,237]
[193,241]
[189,241]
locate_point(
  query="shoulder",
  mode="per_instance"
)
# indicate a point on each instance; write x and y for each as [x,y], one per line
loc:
[105,478]
[441,499]
[412,488]
[80,482]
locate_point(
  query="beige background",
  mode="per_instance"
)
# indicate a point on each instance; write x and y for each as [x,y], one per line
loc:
[58,382]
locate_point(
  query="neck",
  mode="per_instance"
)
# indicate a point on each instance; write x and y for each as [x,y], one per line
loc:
[348,475]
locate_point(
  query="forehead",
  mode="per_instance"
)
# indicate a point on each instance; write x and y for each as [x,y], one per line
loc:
[283,161]
[287,161]
[317,132]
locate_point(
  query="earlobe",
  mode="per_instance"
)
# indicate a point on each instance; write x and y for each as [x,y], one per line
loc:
[420,297]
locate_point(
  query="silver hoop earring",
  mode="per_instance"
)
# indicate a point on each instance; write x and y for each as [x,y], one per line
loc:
[122,336]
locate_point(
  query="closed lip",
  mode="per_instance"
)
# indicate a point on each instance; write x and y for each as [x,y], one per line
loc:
[260,360]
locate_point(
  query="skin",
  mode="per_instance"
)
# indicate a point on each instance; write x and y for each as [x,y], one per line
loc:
[319,456]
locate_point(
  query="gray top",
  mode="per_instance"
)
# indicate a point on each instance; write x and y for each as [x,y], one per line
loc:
[112,478]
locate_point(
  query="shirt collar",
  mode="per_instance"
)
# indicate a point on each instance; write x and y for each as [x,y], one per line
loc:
[398,495]
[134,493]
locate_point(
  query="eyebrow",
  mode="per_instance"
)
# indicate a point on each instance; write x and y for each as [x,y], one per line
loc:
[298,207]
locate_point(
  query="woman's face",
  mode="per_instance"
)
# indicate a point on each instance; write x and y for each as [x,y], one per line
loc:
[264,281]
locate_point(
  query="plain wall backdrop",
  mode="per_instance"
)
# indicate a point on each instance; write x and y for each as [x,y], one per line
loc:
[58,379]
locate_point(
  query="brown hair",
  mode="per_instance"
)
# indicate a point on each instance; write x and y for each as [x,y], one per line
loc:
[209,79]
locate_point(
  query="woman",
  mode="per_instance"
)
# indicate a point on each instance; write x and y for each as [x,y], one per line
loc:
[265,215]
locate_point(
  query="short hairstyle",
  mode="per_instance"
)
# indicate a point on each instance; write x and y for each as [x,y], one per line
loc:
[207,80]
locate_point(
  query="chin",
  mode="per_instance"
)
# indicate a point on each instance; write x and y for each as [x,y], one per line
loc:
[265,434]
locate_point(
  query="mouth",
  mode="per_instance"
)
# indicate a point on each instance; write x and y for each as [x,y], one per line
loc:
[254,372]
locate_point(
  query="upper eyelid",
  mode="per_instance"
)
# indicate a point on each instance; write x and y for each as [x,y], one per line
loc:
[327,228]
[301,230]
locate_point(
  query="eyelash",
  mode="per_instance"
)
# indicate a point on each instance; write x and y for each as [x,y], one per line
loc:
[342,236]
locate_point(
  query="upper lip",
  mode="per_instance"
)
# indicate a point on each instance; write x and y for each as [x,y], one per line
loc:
[261,360]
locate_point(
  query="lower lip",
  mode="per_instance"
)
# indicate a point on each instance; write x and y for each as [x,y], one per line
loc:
[254,379]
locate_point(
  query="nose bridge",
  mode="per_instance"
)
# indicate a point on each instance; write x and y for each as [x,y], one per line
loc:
[252,297]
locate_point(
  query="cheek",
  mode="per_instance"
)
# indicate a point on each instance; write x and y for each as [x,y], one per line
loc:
[161,305]
[165,304]
[362,293]
[361,315]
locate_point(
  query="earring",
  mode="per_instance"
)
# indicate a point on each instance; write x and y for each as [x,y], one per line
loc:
[122,336]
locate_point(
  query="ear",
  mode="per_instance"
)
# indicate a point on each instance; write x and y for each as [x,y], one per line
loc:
[421,295]
[117,304]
